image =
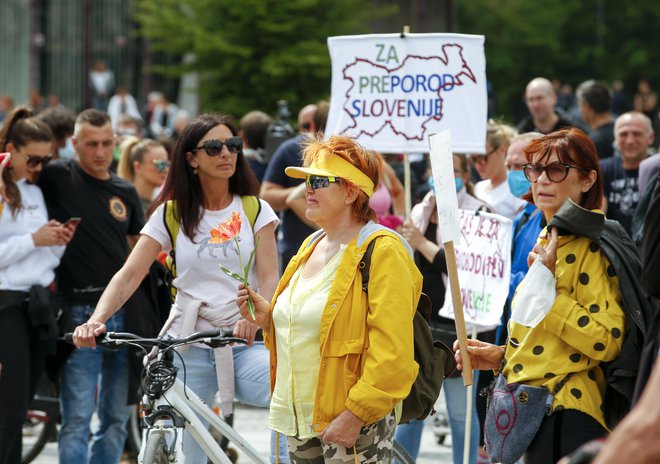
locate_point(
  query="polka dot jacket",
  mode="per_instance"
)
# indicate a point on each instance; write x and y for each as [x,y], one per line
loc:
[585,327]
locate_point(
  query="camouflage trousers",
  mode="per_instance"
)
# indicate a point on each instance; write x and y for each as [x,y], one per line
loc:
[374,445]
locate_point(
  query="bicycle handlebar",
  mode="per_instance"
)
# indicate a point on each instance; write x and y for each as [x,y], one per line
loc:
[212,338]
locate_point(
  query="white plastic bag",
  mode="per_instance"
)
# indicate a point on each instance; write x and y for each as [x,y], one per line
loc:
[534,297]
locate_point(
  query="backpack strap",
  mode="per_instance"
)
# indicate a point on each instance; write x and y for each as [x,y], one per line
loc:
[172,226]
[252,208]
[365,265]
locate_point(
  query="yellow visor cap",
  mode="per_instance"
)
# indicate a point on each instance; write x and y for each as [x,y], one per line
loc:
[329,165]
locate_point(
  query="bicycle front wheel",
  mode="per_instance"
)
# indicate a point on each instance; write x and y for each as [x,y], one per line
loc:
[400,455]
[38,428]
[155,449]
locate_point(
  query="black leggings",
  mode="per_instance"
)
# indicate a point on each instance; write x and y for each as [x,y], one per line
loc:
[560,434]
[21,364]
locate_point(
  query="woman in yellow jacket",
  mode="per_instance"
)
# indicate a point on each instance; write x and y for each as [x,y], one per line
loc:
[341,359]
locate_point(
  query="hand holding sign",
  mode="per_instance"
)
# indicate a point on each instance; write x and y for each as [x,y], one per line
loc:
[442,167]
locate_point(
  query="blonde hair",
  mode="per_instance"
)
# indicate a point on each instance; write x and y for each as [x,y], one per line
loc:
[499,134]
[131,150]
[369,162]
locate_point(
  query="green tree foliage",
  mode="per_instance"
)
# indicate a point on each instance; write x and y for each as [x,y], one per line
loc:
[570,41]
[251,53]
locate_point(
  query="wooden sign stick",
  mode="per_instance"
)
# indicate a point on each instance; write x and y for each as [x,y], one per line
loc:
[459,318]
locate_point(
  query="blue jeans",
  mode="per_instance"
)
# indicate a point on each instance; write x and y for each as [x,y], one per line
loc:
[410,435]
[251,385]
[86,371]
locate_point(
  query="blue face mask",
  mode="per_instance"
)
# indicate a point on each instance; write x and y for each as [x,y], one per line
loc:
[431,184]
[518,183]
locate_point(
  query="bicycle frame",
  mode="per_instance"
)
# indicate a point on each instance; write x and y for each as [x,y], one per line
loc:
[190,407]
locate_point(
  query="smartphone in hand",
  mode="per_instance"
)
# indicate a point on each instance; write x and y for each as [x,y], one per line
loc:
[74,221]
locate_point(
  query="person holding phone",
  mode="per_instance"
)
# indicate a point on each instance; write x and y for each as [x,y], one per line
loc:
[30,249]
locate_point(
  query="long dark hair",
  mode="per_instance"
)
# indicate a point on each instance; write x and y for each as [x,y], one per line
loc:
[19,129]
[182,184]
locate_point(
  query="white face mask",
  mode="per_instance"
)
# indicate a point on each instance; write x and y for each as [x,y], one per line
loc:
[534,297]
[67,152]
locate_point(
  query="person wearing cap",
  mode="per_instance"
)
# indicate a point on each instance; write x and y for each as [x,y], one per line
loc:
[333,347]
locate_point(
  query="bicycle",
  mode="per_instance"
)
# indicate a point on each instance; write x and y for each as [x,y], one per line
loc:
[169,407]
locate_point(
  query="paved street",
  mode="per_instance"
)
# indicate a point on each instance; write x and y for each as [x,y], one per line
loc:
[251,423]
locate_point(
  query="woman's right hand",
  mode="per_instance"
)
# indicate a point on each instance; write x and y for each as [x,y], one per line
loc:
[261,307]
[483,356]
[50,234]
[412,234]
[84,336]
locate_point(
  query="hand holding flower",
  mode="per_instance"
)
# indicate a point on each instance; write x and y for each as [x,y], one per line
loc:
[261,306]
[229,230]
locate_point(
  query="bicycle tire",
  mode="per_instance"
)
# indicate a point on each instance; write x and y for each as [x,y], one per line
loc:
[400,455]
[155,449]
[134,428]
[47,430]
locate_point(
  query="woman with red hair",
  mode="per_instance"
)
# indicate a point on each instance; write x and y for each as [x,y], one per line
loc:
[333,347]
[566,316]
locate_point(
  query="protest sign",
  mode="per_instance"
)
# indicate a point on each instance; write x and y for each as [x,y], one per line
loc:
[442,169]
[483,260]
[391,92]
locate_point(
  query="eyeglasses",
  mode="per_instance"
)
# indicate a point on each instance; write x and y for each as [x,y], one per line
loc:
[481,158]
[213,147]
[161,165]
[555,172]
[35,160]
[317,182]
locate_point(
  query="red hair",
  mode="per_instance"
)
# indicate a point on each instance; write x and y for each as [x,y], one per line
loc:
[573,147]
[369,162]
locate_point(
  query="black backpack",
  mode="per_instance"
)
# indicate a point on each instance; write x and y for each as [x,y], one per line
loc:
[640,309]
[435,359]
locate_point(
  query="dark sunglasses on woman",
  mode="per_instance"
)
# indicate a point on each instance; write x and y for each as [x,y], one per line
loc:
[555,172]
[161,165]
[317,182]
[213,147]
[35,160]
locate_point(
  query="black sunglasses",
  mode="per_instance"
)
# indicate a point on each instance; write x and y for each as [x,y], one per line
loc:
[213,147]
[161,165]
[317,182]
[35,160]
[475,158]
[555,172]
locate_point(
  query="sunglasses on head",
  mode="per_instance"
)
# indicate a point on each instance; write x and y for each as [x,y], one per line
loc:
[35,160]
[213,147]
[317,182]
[161,165]
[555,172]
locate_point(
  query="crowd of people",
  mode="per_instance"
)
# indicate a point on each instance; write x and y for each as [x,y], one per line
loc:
[84,230]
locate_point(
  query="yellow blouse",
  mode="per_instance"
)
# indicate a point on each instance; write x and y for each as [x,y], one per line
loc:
[585,327]
[297,319]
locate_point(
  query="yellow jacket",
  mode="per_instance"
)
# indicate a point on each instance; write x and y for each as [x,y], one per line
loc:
[367,357]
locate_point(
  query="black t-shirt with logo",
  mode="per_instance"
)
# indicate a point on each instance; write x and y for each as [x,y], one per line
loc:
[110,211]
[621,190]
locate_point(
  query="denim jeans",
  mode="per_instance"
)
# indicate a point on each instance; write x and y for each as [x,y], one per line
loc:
[89,371]
[410,435]
[251,385]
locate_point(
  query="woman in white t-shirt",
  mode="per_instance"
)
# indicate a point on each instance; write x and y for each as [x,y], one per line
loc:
[494,189]
[208,177]
[30,249]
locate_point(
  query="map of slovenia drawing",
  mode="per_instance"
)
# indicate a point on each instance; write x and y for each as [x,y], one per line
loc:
[367,101]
